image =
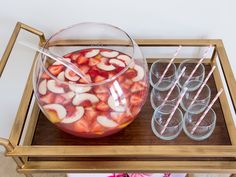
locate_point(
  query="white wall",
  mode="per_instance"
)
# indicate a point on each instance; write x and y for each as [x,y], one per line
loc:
[141,19]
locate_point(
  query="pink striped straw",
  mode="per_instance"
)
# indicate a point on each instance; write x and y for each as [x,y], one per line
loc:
[174,109]
[202,86]
[198,64]
[175,83]
[171,61]
[206,111]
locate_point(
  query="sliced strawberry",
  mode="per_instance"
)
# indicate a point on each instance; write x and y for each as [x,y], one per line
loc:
[81,126]
[136,87]
[119,69]
[93,72]
[131,73]
[101,89]
[97,128]
[86,103]
[67,55]
[82,81]
[103,73]
[93,61]
[55,69]
[101,106]
[74,56]
[121,78]
[111,74]
[127,84]
[119,117]
[90,113]
[84,68]
[45,76]
[135,110]
[99,79]
[82,60]
[49,98]
[59,99]
[103,96]
[70,110]
[136,99]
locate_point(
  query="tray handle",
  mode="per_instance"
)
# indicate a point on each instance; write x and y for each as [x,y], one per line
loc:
[12,41]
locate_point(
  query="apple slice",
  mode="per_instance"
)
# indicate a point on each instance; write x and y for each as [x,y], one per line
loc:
[70,75]
[125,58]
[108,54]
[116,62]
[75,117]
[68,95]
[59,63]
[61,76]
[140,73]
[105,67]
[79,98]
[104,121]
[78,89]
[115,105]
[53,87]
[92,53]
[43,87]
[59,109]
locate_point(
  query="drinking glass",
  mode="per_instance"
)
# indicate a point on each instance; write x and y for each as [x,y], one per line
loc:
[197,78]
[157,97]
[204,129]
[201,102]
[159,118]
[156,72]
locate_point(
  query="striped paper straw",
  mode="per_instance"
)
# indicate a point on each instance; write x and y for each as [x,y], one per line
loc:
[174,109]
[206,111]
[198,64]
[171,61]
[202,86]
[175,83]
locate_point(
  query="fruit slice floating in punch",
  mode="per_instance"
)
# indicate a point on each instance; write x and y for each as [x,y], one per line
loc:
[92,53]
[79,89]
[94,61]
[109,54]
[116,62]
[43,87]
[124,58]
[78,114]
[136,87]
[48,98]
[56,112]
[61,76]
[105,67]
[82,60]
[55,69]
[140,73]
[103,120]
[53,87]
[115,105]
[79,98]
[70,75]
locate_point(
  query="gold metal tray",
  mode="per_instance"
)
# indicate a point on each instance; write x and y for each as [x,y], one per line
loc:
[47,149]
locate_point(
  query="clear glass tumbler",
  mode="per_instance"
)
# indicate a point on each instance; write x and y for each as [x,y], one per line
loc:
[159,118]
[156,72]
[205,128]
[201,102]
[157,97]
[197,78]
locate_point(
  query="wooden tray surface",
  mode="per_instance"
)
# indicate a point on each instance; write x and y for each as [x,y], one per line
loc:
[137,133]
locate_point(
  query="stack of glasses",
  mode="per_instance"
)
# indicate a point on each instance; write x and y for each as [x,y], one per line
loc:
[168,84]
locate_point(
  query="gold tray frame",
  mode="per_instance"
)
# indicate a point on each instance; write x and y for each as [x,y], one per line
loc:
[20,153]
